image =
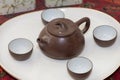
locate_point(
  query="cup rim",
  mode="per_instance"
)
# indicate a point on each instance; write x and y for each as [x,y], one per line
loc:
[91,67]
[44,11]
[23,52]
[106,39]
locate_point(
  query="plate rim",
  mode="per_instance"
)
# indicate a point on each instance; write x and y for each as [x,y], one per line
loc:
[10,73]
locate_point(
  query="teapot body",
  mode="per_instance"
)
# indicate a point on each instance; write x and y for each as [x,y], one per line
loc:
[61,47]
[62,39]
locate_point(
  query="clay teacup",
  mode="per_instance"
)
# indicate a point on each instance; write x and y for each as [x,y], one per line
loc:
[79,68]
[20,48]
[50,14]
[105,35]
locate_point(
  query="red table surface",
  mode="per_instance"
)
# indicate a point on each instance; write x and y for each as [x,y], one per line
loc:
[111,7]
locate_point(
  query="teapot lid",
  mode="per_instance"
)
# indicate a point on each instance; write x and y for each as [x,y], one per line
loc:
[61,27]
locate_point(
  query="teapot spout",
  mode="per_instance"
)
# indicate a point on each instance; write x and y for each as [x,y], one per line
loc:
[43,40]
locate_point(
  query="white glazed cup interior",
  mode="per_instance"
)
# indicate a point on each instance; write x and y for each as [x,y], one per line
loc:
[79,65]
[50,14]
[20,46]
[105,33]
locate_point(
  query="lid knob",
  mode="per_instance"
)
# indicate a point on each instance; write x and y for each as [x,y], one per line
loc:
[61,27]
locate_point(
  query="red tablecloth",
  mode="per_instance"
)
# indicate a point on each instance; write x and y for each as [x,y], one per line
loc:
[111,7]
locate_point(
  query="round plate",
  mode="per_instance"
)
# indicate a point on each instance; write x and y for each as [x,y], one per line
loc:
[40,67]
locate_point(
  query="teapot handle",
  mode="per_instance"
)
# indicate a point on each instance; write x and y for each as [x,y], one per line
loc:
[87,25]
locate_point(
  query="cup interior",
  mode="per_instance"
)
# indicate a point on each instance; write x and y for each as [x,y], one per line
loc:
[51,14]
[20,46]
[79,65]
[105,33]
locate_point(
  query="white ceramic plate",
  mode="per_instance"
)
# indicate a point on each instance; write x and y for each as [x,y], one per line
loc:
[38,66]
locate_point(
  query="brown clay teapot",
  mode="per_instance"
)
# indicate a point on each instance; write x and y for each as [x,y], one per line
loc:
[62,39]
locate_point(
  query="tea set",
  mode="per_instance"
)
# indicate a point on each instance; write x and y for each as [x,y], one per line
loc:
[62,39]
